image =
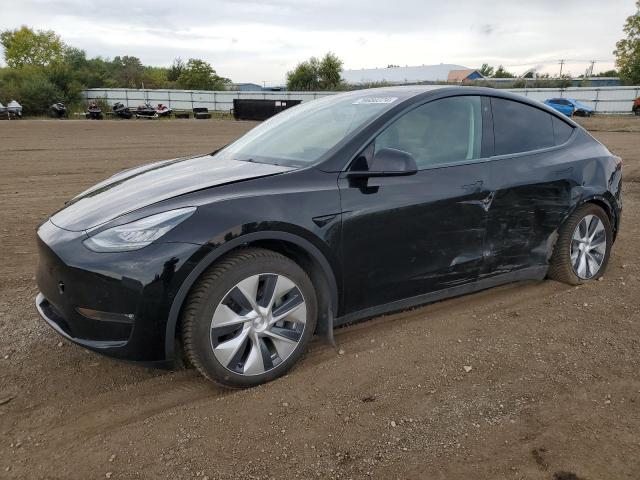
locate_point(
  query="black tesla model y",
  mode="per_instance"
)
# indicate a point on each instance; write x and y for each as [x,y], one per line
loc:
[335,210]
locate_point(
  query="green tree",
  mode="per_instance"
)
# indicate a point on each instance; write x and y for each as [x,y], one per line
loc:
[23,46]
[176,68]
[304,77]
[199,75]
[74,57]
[486,70]
[127,71]
[627,50]
[329,72]
[317,74]
[501,72]
[607,73]
[155,77]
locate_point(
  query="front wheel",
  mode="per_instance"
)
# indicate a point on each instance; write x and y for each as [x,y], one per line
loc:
[583,247]
[249,318]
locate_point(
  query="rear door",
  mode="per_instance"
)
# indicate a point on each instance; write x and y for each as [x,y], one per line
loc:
[532,180]
[410,235]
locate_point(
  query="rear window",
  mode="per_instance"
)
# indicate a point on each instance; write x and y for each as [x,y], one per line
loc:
[520,128]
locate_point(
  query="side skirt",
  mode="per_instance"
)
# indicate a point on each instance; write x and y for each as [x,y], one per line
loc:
[530,273]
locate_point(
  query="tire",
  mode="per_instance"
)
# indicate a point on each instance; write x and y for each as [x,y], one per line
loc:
[230,328]
[566,265]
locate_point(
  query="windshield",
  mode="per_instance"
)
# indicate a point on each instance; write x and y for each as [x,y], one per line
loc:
[302,134]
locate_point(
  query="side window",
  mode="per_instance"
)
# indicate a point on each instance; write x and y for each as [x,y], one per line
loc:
[518,127]
[561,131]
[443,131]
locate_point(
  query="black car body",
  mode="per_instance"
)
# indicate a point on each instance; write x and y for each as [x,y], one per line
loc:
[370,241]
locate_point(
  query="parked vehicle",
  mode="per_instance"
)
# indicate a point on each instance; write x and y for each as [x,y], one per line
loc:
[340,209]
[636,107]
[14,110]
[580,109]
[146,110]
[562,105]
[3,111]
[201,113]
[94,112]
[119,110]
[163,110]
[570,106]
[58,110]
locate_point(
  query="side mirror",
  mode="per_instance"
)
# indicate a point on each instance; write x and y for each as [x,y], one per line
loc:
[388,162]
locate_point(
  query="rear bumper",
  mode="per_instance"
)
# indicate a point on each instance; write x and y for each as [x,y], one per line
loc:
[116,304]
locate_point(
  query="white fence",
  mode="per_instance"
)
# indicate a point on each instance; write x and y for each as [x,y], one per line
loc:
[187,99]
[602,99]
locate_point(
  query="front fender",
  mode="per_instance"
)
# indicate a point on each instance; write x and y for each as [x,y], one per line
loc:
[236,242]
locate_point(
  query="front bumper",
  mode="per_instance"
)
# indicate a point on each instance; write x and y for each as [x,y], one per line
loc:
[54,318]
[128,295]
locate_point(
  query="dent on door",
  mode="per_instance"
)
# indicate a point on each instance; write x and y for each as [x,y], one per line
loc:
[407,236]
[532,197]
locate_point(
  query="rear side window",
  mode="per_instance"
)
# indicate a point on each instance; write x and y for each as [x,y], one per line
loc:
[561,131]
[518,127]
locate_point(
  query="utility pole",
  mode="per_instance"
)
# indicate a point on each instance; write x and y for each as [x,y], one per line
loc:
[592,63]
[561,62]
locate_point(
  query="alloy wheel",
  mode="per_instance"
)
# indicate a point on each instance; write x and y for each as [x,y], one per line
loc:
[258,324]
[588,247]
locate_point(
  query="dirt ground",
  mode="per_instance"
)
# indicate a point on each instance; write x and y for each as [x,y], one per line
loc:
[553,391]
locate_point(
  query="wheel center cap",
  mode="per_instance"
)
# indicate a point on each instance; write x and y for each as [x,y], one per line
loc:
[261,321]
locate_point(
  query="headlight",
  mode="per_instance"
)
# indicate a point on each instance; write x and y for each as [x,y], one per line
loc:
[138,234]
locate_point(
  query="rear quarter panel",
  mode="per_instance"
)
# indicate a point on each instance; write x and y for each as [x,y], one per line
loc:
[535,193]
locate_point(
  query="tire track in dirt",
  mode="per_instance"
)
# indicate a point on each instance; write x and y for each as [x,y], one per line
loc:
[119,409]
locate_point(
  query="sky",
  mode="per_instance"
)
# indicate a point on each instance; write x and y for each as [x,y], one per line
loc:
[259,41]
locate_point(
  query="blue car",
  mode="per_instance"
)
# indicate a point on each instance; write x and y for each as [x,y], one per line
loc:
[570,106]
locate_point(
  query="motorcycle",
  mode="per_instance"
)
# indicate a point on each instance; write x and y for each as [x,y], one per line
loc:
[94,112]
[58,110]
[119,110]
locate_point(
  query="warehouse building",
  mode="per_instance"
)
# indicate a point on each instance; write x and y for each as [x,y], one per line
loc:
[421,74]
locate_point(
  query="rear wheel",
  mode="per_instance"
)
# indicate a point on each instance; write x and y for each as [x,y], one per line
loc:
[249,318]
[583,247]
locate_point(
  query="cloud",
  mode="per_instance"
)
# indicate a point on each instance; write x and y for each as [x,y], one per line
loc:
[260,40]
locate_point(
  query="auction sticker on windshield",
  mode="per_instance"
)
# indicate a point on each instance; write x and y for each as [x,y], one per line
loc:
[375,100]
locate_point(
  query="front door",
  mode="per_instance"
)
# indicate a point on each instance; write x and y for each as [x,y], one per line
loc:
[410,235]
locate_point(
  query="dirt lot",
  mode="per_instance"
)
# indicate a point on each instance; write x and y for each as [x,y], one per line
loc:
[553,391]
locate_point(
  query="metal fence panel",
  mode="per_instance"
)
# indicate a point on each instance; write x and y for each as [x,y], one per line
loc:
[603,99]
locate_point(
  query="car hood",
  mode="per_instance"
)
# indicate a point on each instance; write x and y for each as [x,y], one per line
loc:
[138,187]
